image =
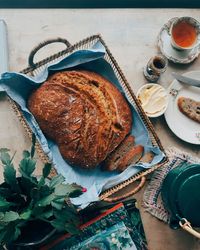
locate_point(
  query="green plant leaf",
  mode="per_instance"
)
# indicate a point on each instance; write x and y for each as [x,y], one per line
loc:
[27,167]
[35,195]
[1,215]
[67,214]
[58,204]
[36,211]
[10,177]
[46,200]
[26,154]
[46,170]
[19,201]
[26,214]
[9,174]
[75,193]
[59,225]
[38,193]
[41,182]
[4,204]
[56,180]
[62,190]
[5,192]
[10,216]
[4,156]
[10,233]
[47,214]
[45,190]
[67,190]
[27,184]
[17,233]
[4,150]
[2,236]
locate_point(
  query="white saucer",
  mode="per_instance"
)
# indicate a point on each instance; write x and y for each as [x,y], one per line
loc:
[176,56]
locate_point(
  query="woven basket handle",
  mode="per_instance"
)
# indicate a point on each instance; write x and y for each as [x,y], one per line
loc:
[41,45]
[187,227]
[128,194]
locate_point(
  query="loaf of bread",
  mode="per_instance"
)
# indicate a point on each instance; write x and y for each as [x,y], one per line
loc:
[85,114]
[190,108]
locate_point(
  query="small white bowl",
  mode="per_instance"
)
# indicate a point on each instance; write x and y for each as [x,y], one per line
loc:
[160,90]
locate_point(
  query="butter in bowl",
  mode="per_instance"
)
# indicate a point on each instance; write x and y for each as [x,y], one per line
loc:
[153,99]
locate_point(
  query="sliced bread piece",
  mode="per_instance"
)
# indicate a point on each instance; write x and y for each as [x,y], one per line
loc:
[112,161]
[190,108]
[131,157]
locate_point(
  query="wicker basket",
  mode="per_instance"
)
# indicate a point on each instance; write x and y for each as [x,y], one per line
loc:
[124,189]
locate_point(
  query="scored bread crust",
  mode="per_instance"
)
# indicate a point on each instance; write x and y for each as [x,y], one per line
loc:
[190,108]
[84,113]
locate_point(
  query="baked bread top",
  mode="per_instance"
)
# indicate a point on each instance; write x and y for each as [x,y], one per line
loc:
[84,113]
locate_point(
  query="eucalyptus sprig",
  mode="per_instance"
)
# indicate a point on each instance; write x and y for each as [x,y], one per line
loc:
[27,197]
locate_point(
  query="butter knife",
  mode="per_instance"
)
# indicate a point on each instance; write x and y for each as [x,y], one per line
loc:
[3,47]
[186,80]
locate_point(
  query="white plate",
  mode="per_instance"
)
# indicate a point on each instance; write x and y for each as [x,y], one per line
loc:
[182,126]
[176,56]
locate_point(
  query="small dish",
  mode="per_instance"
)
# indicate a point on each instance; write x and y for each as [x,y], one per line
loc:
[153,99]
[172,54]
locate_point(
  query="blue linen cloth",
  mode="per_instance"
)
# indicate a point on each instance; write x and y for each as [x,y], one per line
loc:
[19,87]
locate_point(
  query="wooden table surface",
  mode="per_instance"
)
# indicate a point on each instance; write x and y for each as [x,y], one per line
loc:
[131,35]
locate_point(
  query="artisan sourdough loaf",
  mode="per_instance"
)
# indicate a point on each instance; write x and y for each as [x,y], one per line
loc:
[84,113]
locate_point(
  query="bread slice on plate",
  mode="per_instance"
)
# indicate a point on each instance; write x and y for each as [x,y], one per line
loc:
[190,108]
